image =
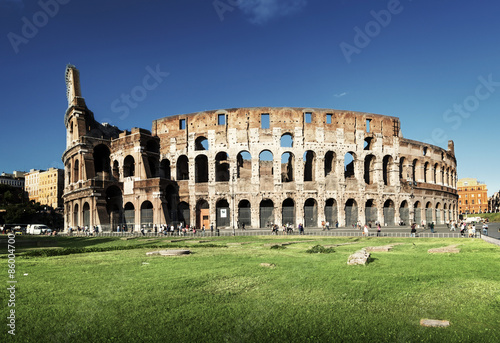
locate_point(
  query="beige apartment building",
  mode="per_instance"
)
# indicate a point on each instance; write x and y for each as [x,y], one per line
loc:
[45,187]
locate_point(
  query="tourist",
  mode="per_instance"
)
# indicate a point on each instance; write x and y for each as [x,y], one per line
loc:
[365,231]
[413,230]
[327,225]
[379,229]
[485,229]
[431,225]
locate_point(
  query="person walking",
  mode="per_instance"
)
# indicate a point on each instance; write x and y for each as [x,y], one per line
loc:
[413,230]
[379,229]
[365,231]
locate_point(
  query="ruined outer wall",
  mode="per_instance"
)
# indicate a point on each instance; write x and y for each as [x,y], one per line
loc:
[387,168]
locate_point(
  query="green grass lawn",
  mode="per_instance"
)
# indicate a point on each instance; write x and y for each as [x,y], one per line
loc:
[108,290]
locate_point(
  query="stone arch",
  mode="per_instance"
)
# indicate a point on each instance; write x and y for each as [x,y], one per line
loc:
[403,170]
[371,212]
[310,213]
[331,211]
[428,212]
[86,214]
[201,169]
[309,165]
[404,213]
[244,165]
[330,159]
[426,172]
[244,213]
[369,174]
[201,143]
[351,212]
[183,213]
[128,166]
[128,216]
[417,212]
[116,170]
[76,171]
[286,140]
[182,168]
[147,215]
[266,164]
[389,212]
[114,205]
[76,216]
[203,214]
[288,212]
[223,214]
[349,161]
[387,167]
[439,213]
[153,166]
[222,167]
[266,213]
[368,143]
[414,170]
[287,167]
[165,169]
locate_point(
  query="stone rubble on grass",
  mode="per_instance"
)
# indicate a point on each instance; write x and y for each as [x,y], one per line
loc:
[168,252]
[434,323]
[268,265]
[359,257]
[449,249]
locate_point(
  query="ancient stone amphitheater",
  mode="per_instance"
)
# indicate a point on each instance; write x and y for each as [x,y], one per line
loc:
[253,167]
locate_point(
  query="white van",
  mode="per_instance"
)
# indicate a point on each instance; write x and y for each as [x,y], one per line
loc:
[37,229]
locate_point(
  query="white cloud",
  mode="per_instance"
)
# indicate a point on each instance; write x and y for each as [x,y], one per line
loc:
[340,95]
[262,11]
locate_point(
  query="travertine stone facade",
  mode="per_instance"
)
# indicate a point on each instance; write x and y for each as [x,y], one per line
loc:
[253,166]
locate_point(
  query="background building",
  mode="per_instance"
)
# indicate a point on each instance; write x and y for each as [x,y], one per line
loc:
[16,179]
[46,187]
[472,196]
[253,166]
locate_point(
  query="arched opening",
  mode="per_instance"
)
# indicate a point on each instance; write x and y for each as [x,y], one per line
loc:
[349,159]
[266,164]
[114,204]
[288,212]
[446,217]
[86,214]
[439,219]
[287,163]
[128,216]
[76,217]
[244,213]
[170,208]
[221,167]
[371,215]
[386,169]
[434,176]
[244,165]
[223,218]
[165,169]
[286,140]
[369,169]
[128,166]
[426,171]
[403,173]
[153,146]
[331,215]
[309,165]
[417,213]
[389,212]
[310,213]
[266,213]
[102,161]
[330,163]
[201,144]
[68,173]
[183,168]
[414,170]
[183,214]
[153,167]
[201,169]
[202,214]
[368,144]
[351,212]
[147,215]
[428,212]
[404,213]
[76,172]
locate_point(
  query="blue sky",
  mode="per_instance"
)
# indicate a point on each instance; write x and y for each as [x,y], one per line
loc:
[432,63]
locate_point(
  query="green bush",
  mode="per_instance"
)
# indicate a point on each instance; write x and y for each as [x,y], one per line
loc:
[319,249]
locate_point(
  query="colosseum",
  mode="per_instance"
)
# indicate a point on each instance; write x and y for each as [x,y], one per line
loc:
[253,167]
